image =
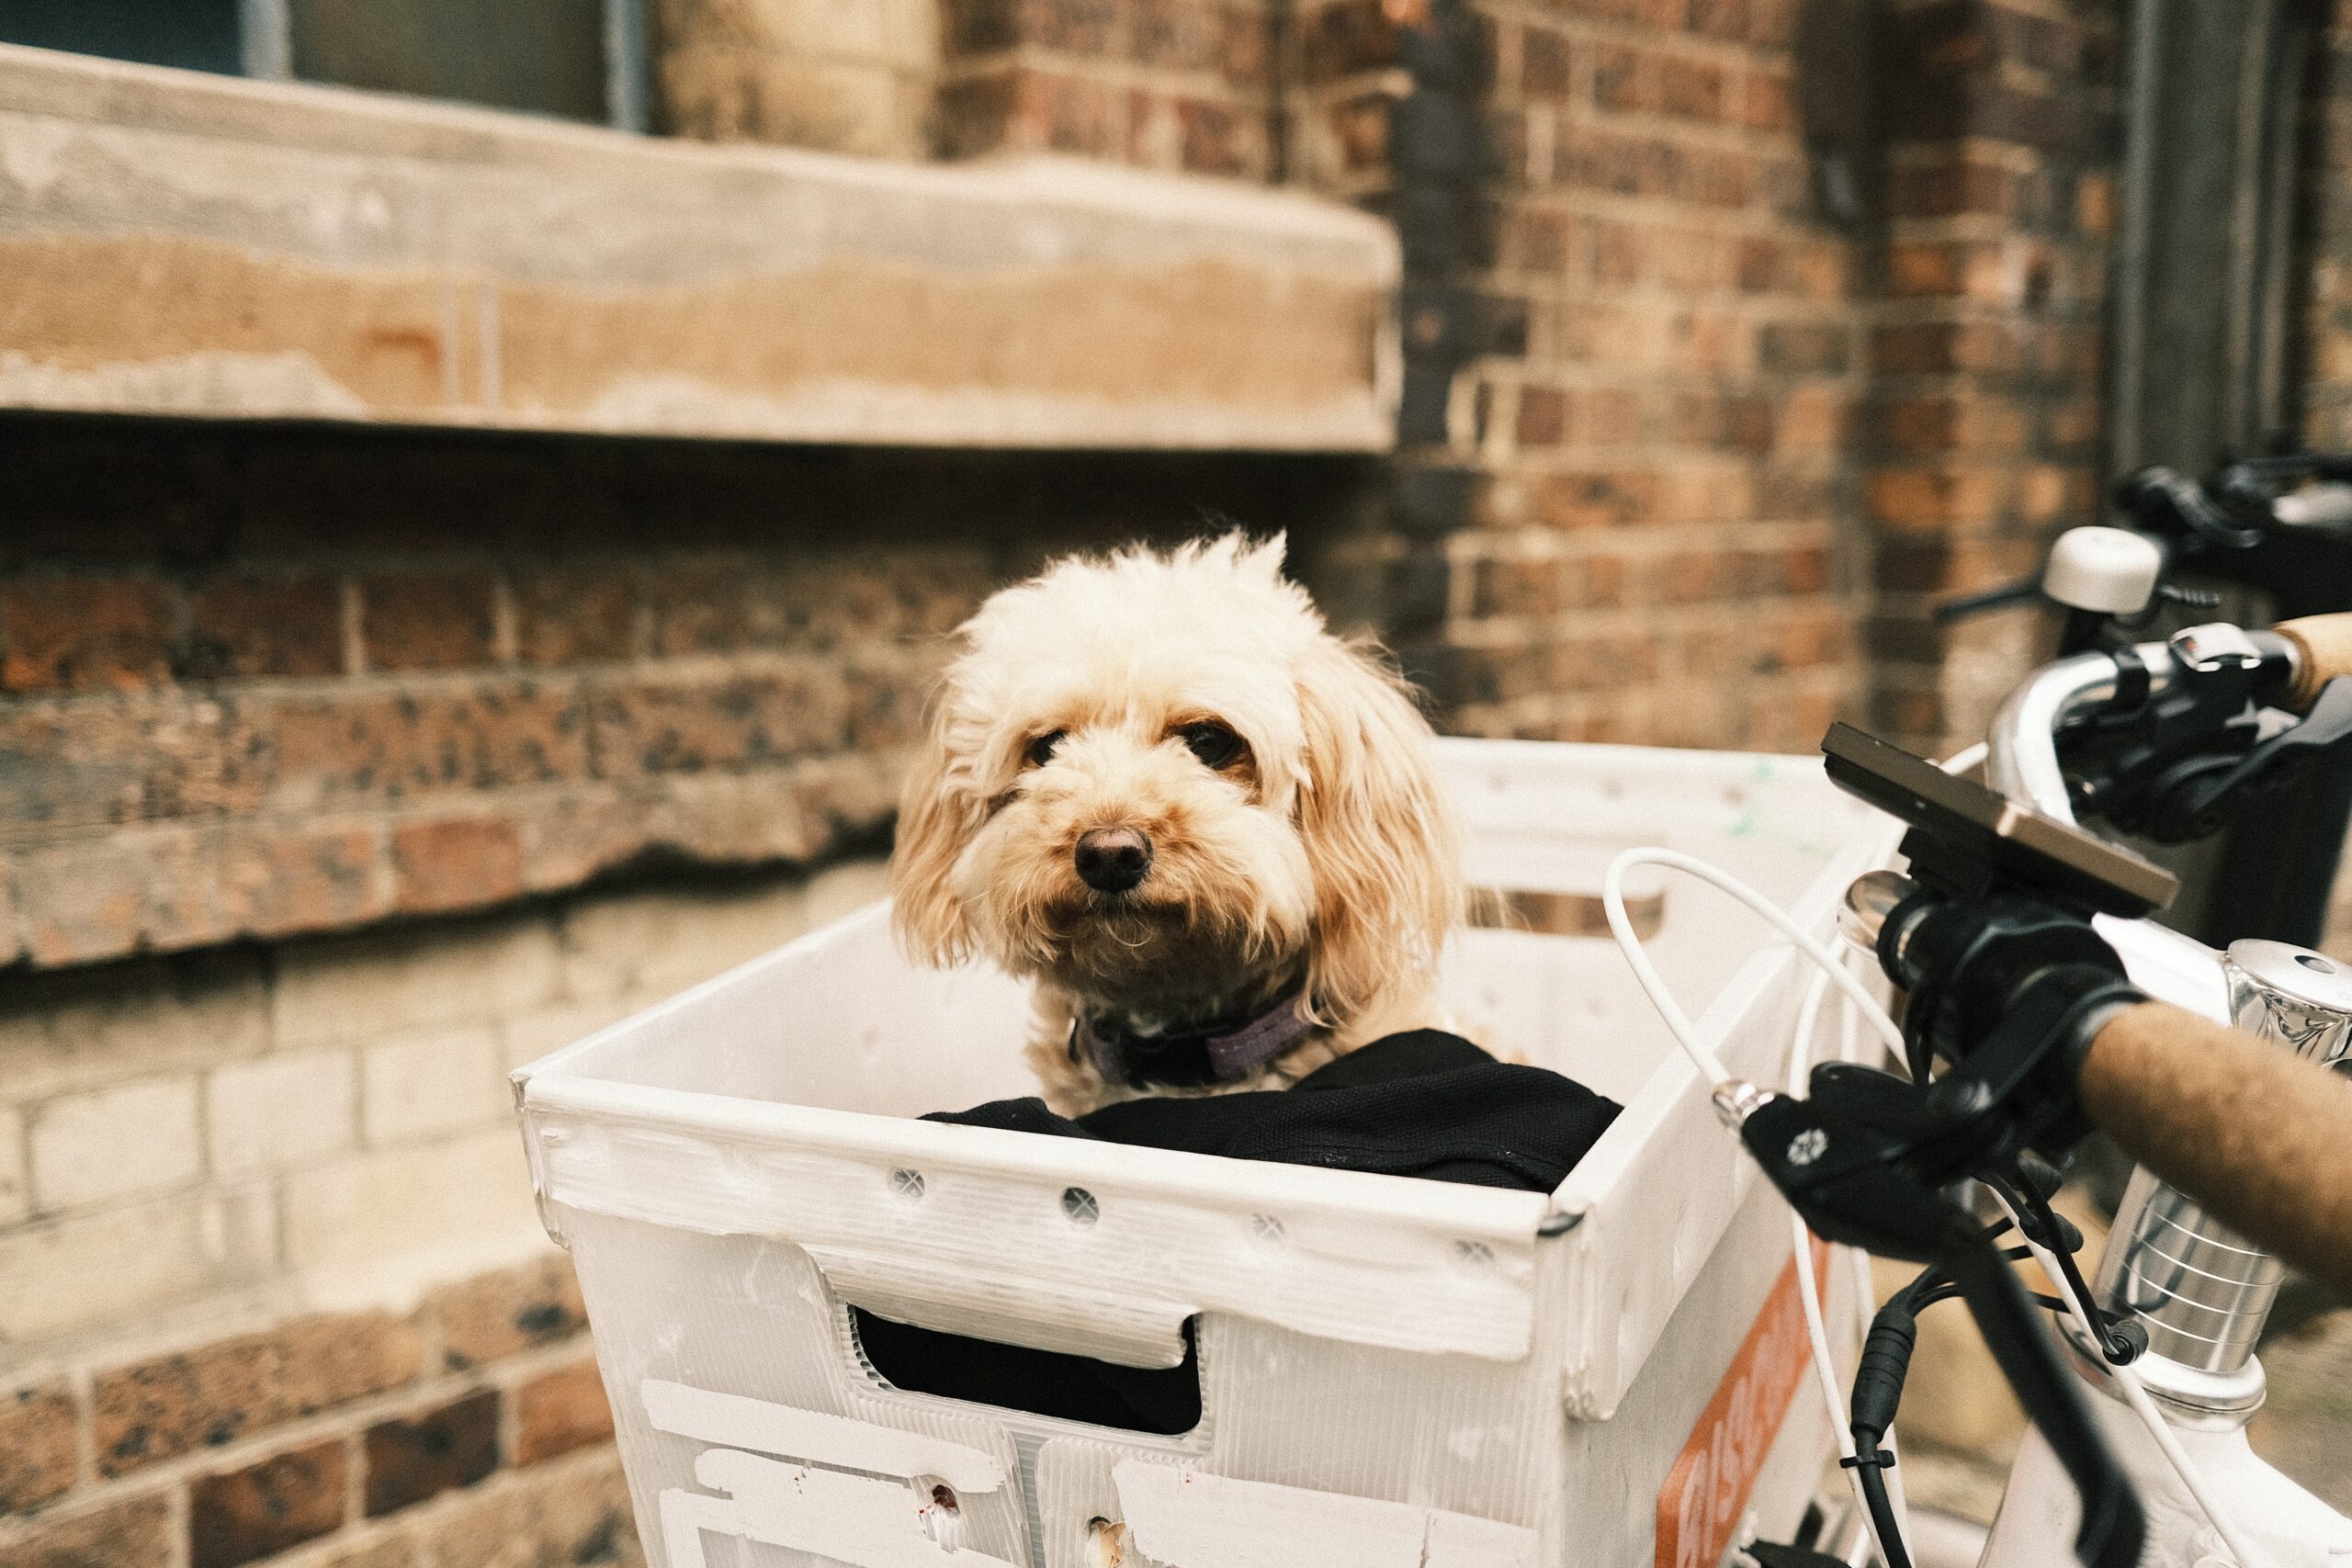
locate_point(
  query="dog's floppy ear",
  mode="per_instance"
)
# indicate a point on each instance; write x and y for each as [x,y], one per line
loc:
[1380,835]
[937,819]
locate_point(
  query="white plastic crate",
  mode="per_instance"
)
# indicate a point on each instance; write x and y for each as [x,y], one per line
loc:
[1393,1372]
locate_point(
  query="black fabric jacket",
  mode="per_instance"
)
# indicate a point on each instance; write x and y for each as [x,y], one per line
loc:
[1423,1103]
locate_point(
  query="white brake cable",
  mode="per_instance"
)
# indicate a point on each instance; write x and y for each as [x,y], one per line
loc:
[1709,1067]
[1613,902]
[1613,898]
[1825,1363]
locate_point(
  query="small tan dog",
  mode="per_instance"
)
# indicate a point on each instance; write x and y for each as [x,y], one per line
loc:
[1208,831]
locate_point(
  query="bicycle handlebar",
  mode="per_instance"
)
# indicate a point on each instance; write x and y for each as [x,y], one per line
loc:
[2322,646]
[2256,1135]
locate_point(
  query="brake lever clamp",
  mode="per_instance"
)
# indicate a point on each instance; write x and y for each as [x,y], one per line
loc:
[2010,989]
[2143,757]
[2196,801]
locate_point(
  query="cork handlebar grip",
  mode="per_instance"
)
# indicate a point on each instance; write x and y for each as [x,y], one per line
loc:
[2322,651]
[2260,1137]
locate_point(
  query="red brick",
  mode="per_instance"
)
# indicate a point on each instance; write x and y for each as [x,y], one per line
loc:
[392,1550]
[1243,45]
[1720,19]
[1598,663]
[346,748]
[427,620]
[252,624]
[1601,581]
[1938,347]
[499,1315]
[1543,241]
[1926,498]
[276,881]
[980,27]
[885,699]
[700,607]
[1803,348]
[1546,63]
[1349,36]
[1913,565]
[86,633]
[1358,128]
[1076,27]
[1686,577]
[458,863]
[572,615]
[1059,113]
[560,1411]
[266,1507]
[82,899]
[1517,588]
[975,114]
[576,1511]
[1618,78]
[167,1406]
[665,723]
[1597,499]
[1930,424]
[134,1533]
[1768,101]
[1542,416]
[91,760]
[422,1456]
[36,1446]
[1214,137]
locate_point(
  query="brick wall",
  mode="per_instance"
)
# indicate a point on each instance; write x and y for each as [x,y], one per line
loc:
[844,76]
[254,685]
[1165,84]
[469,1431]
[276,1276]
[1981,437]
[1648,351]
[2325,230]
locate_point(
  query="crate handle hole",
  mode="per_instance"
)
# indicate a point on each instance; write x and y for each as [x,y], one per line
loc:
[1081,1206]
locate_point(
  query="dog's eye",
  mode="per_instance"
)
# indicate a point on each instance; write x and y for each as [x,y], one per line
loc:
[1041,750]
[1213,743]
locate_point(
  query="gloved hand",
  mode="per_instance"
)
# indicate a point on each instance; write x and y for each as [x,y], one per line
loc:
[2013,991]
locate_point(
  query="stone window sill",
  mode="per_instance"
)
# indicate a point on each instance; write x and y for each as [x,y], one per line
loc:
[182,245]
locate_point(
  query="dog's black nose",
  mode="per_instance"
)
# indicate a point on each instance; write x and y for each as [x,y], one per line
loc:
[1112,859]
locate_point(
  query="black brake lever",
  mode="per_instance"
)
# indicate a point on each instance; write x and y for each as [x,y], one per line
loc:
[2200,802]
[2161,497]
[1844,1160]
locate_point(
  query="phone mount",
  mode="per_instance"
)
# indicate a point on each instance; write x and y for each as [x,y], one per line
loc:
[1967,841]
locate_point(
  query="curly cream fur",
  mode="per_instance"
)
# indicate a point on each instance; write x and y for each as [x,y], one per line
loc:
[1331,858]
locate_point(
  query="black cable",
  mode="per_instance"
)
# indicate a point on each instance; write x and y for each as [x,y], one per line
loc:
[2058,1236]
[1870,1469]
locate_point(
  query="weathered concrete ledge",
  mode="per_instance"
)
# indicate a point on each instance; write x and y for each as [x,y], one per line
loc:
[179,243]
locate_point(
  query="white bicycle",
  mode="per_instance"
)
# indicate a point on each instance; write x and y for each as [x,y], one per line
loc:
[2042,1002]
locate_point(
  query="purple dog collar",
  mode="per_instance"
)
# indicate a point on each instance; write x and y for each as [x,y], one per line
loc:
[1191,1061]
